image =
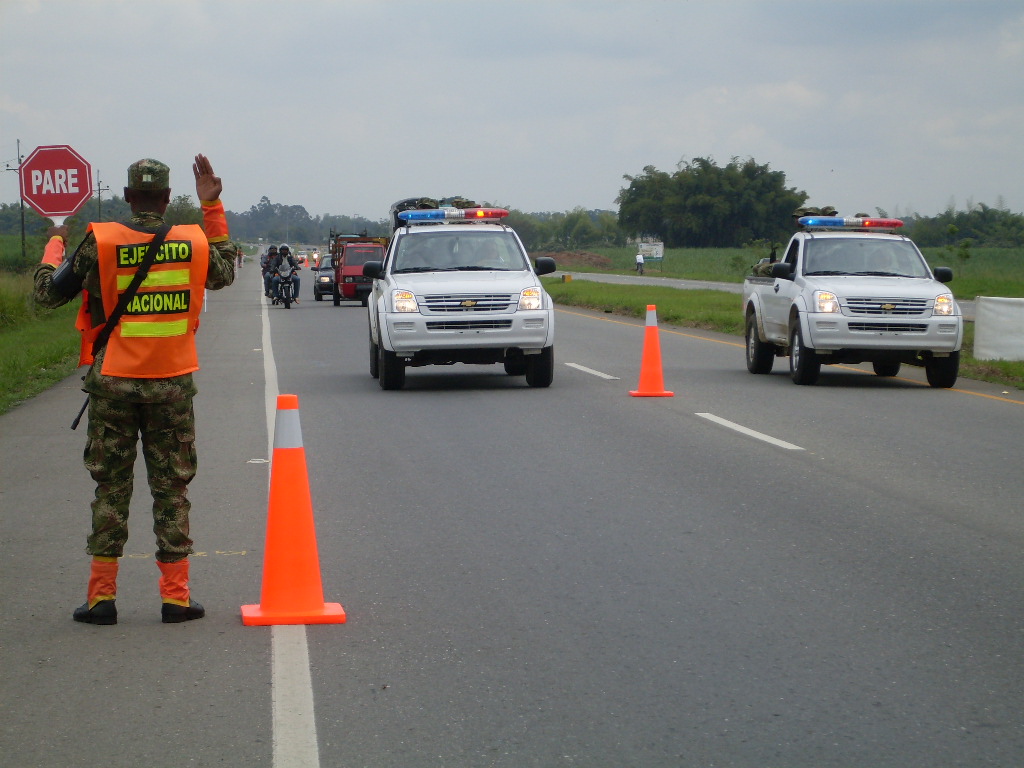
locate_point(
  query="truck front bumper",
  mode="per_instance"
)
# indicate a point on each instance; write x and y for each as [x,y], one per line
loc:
[831,331]
[529,330]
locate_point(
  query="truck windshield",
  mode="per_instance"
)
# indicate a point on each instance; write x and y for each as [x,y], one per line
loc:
[356,255]
[424,251]
[863,256]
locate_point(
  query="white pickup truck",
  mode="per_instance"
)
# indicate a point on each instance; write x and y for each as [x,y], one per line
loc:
[457,286]
[851,290]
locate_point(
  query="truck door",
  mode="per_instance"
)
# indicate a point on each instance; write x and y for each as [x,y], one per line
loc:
[779,299]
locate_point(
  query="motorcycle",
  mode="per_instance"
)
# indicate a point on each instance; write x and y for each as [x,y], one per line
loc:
[286,288]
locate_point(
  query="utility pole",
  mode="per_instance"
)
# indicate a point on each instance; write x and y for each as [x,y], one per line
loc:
[100,189]
[7,167]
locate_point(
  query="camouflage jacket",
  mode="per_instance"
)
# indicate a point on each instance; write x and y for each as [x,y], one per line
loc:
[221,274]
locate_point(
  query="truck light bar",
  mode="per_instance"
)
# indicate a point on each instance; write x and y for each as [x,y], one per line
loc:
[839,222]
[444,214]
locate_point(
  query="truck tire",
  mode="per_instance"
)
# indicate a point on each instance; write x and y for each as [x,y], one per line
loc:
[337,297]
[942,371]
[540,369]
[374,360]
[391,370]
[886,368]
[804,364]
[760,354]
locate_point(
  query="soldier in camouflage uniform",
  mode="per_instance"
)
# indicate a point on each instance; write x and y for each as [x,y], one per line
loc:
[122,409]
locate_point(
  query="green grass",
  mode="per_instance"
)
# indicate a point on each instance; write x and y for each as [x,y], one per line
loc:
[37,354]
[710,310]
[722,311]
[988,271]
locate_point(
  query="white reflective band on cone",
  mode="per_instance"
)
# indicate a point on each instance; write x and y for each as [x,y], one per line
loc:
[287,429]
[652,315]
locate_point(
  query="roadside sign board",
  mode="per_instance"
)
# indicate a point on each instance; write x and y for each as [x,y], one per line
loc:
[56,181]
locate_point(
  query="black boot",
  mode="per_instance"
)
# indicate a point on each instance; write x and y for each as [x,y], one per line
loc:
[104,612]
[175,614]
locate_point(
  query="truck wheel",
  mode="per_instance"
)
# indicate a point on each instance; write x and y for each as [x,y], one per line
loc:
[804,364]
[337,297]
[760,355]
[374,355]
[540,369]
[942,371]
[391,369]
[886,368]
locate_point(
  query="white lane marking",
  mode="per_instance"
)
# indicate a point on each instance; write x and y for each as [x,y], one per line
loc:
[592,372]
[293,717]
[749,432]
[295,744]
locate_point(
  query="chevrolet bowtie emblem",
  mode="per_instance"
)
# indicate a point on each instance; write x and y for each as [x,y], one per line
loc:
[468,303]
[888,307]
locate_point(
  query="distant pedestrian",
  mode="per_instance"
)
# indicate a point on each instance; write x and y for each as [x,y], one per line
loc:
[140,380]
[639,263]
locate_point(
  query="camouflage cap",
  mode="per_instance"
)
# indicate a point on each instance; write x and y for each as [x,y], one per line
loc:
[149,174]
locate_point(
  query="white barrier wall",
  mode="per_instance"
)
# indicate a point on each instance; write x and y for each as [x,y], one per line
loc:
[999,328]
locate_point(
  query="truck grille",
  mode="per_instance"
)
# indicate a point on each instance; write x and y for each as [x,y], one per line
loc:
[873,306]
[469,325]
[889,327]
[468,302]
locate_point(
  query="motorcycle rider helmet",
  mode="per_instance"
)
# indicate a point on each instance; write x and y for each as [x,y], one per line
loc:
[284,247]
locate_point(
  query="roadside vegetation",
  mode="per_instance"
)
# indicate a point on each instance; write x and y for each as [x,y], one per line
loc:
[38,347]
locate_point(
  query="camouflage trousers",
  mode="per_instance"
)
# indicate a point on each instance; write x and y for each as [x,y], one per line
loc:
[168,445]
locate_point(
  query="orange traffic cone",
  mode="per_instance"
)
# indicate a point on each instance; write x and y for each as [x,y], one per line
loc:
[652,384]
[292,590]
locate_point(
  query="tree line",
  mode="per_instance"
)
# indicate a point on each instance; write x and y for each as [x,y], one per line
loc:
[700,204]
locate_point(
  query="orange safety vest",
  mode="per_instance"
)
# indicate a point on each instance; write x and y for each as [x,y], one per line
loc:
[155,337]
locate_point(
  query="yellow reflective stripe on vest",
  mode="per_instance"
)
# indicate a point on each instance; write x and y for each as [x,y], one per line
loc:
[156,279]
[153,328]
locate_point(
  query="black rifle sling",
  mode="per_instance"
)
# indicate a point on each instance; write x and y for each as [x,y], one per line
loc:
[123,301]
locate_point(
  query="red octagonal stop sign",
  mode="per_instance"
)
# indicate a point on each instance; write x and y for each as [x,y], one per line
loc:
[56,180]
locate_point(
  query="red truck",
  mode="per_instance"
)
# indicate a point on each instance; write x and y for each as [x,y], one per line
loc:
[349,253]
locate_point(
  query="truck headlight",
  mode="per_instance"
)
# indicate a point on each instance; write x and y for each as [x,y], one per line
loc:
[944,304]
[530,298]
[404,301]
[827,302]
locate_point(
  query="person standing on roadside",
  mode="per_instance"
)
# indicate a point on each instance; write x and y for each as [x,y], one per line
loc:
[140,381]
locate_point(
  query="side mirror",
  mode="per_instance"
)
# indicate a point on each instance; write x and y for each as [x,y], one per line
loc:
[544,265]
[374,269]
[943,274]
[782,270]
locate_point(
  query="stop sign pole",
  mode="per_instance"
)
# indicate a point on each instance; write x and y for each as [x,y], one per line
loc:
[55,181]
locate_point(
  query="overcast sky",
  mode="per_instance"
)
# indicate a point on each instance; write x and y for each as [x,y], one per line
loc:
[344,107]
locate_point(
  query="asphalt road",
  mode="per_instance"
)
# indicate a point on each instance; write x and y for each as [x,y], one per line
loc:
[748,573]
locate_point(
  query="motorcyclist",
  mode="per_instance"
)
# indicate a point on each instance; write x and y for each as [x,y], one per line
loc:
[284,255]
[265,261]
